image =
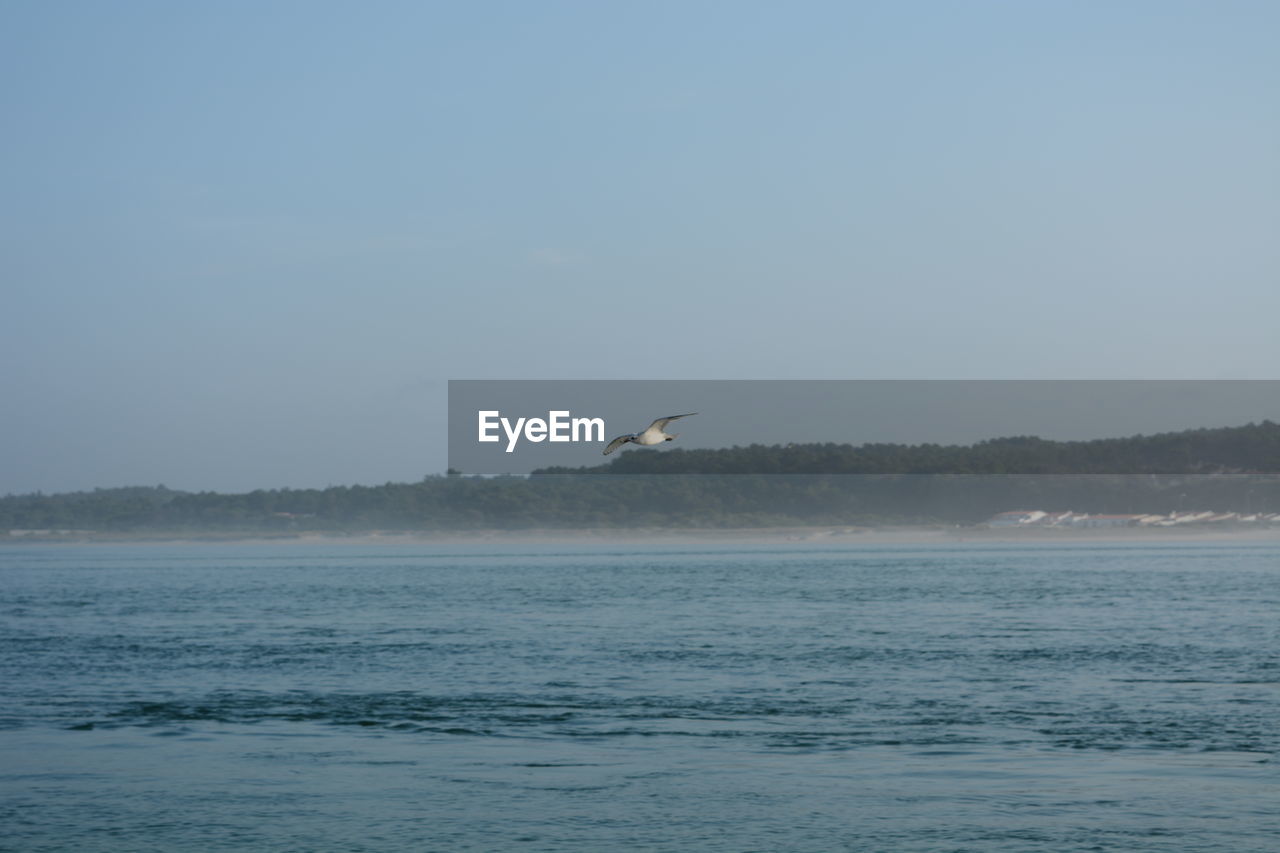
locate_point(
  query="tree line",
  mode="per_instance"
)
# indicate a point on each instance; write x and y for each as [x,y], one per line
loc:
[1252,448]
[1229,469]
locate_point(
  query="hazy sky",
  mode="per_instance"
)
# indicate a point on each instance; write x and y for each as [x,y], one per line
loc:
[244,244]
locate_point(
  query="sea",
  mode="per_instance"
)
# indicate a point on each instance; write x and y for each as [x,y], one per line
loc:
[959,696]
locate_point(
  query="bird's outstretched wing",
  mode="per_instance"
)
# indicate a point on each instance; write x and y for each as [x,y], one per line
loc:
[616,443]
[661,423]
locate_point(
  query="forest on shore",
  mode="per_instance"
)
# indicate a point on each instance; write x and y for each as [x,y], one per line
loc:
[1230,469]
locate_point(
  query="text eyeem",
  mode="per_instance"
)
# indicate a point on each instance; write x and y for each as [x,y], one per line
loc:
[559,426]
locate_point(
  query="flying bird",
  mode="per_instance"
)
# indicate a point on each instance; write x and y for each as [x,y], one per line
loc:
[653,435]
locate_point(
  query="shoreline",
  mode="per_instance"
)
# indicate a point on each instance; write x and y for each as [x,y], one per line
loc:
[810,535]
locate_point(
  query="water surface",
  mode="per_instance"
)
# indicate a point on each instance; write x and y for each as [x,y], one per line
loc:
[973,697]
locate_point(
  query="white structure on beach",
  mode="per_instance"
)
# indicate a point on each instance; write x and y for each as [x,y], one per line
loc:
[1017,518]
[1040,519]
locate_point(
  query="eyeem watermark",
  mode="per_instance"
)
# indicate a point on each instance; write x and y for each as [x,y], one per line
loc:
[486,437]
[558,426]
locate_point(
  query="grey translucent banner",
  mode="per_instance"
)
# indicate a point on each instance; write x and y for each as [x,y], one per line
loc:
[525,426]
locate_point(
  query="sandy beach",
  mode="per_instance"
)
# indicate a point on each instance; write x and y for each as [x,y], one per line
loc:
[836,536]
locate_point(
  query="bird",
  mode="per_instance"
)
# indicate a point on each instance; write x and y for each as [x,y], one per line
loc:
[652,435]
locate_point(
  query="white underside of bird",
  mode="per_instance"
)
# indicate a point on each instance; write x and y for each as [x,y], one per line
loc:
[655,434]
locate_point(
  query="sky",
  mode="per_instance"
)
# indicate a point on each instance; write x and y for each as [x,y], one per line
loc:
[244,245]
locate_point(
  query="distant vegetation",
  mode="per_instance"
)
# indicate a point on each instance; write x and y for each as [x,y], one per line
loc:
[1230,469]
[1248,449]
